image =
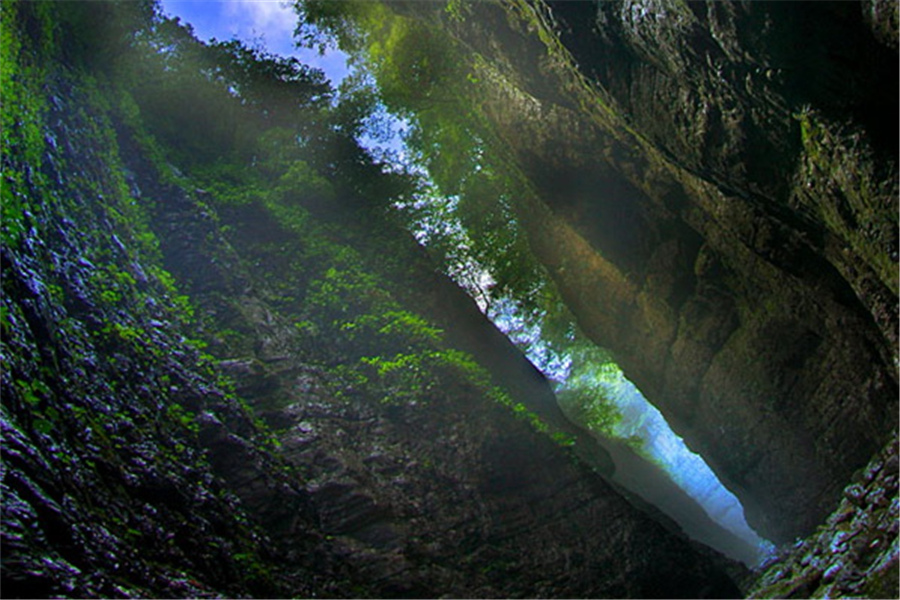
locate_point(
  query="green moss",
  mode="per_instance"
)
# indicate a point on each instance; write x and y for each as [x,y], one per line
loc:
[838,182]
[129,112]
[456,9]
[24,106]
[884,583]
[185,418]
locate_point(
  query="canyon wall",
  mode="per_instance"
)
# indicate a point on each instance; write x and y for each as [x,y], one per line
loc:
[207,397]
[715,196]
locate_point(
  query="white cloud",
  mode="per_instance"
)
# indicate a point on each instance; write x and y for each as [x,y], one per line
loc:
[274,20]
[271,22]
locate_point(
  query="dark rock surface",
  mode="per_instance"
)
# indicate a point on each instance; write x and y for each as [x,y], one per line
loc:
[716,198]
[855,553]
[106,490]
[738,256]
[446,495]
[132,465]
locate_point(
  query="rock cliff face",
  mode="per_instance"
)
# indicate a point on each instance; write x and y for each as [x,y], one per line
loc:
[447,494]
[855,552]
[106,491]
[716,198]
[136,465]
[223,392]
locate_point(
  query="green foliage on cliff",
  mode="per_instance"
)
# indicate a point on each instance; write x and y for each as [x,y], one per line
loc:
[424,76]
[251,132]
[255,132]
[22,68]
[100,385]
[590,396]
[470,215]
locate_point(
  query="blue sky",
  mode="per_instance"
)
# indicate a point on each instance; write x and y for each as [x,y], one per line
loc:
[270,22]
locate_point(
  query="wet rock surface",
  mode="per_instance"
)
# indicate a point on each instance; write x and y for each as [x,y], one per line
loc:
[855,552]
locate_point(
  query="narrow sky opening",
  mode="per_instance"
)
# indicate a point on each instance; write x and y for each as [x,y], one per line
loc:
[689,471]
[270,25]
[643,421]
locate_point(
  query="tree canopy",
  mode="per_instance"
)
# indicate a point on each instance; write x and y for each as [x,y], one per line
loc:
[470,216]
